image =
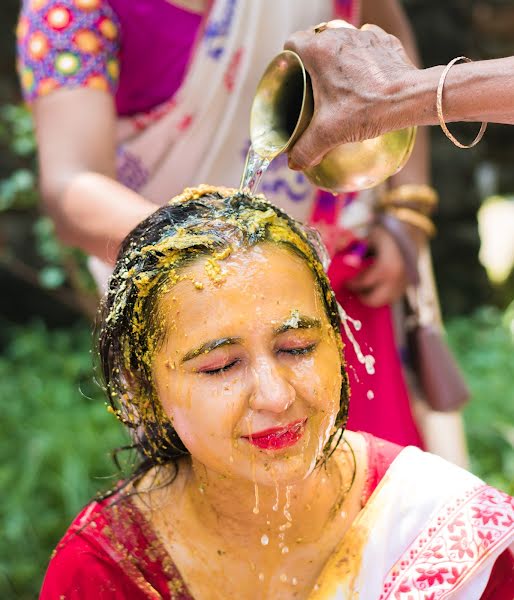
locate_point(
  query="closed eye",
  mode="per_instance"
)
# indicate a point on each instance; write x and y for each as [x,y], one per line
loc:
[298,351]
[219,370]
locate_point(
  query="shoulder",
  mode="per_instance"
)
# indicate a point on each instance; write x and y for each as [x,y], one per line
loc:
[373,457]
[67,43]
[84,563]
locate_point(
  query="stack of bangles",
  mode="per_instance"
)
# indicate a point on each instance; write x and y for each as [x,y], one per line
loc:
[412,204]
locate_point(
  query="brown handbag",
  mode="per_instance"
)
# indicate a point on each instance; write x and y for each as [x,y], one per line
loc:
[443,385]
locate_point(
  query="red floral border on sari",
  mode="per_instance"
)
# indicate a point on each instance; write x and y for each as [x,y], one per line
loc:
[452,547]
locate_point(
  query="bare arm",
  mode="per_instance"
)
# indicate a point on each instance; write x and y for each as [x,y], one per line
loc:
[367,86]
[390,16]
[75,132]
[478,91]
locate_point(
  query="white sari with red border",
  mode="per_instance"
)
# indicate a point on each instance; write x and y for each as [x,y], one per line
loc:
[430,531]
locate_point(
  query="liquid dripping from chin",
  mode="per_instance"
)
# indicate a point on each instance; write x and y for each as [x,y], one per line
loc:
[287,505]
[366,359]
[256,490]
[255,486]
[282,529]
[254,169]
[277,492]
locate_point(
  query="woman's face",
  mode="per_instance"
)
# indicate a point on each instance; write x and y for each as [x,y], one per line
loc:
[249,372]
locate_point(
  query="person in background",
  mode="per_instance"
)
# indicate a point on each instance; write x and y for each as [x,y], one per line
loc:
[133,101]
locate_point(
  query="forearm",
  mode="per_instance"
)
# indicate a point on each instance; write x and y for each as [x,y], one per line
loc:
[478,91]
[95,213]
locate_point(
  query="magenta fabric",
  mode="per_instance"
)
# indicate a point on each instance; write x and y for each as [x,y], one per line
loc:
[156,42]
[67,44]
[385,413]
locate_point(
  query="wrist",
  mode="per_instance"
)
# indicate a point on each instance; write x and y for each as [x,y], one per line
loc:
[414,97]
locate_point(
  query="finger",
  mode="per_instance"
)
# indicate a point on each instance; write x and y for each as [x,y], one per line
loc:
[363,287]
[380,295]
[374,28]
[307,151]
[368,278]
[298,40]
[311,146]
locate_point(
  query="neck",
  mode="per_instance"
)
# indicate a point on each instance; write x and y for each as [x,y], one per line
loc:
[239,508]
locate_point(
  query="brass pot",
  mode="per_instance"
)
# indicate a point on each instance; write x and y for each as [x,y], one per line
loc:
[281,111]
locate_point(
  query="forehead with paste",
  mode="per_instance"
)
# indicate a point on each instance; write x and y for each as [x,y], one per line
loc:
[233,294]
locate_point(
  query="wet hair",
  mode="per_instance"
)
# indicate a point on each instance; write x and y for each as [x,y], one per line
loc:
[203,222]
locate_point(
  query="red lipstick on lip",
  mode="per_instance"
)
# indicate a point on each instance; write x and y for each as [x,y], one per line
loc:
[277,438]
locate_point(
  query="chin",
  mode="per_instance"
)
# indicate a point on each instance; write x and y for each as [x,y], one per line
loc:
[286,468]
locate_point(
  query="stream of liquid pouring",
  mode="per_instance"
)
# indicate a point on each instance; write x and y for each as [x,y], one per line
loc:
[254,169]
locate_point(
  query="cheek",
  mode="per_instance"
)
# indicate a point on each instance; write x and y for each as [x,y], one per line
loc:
[318,379]
[204,408]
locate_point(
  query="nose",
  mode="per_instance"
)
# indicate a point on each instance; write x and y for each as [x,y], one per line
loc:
[272,391]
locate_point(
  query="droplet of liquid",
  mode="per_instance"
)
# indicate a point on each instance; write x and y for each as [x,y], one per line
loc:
[261,576]
[294,581]
[285,550]
[370,395]
[283,578]
[254,169]
[264,540]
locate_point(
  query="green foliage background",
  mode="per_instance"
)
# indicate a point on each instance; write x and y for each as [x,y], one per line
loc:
[55,442]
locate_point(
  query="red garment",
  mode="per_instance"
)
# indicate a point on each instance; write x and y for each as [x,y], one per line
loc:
[110,551]
[380,402]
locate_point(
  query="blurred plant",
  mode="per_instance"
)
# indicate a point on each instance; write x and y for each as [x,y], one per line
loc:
[18,190]
[56,268]
[55,439]
[484,345]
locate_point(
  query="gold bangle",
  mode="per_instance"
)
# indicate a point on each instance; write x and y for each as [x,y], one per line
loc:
[439,107]
[414,218]
[410,192]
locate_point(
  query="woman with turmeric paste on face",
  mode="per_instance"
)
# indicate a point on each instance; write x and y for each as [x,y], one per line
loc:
[220,349]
